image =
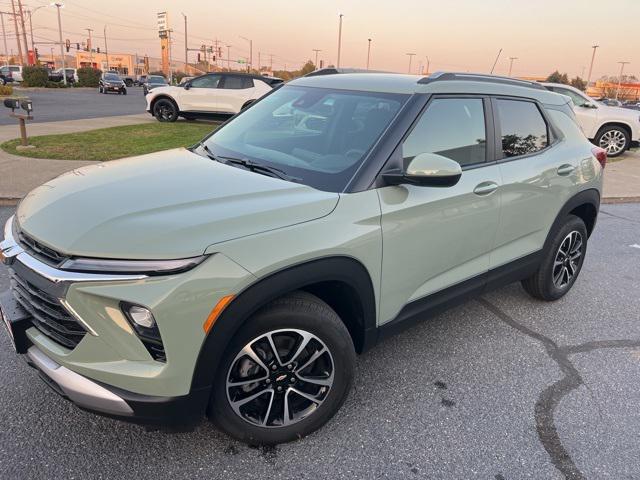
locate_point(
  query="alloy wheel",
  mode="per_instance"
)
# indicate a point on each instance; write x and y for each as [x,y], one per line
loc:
[565,265]
[280,378]
[613,141]
[166,112]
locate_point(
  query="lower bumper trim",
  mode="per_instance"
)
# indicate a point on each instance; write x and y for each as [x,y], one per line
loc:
[80,390]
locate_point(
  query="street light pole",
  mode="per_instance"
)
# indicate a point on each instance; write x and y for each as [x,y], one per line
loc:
[411,55]
[593,56]
[511,59]
[90,46]
[15,22]
[64,70]
[427,65]
[24,31]
[317,51]
[229,57]
[106,49]
[622,64]
[339,40]
[250,65]
[368,52]
[4,37]
[186,46]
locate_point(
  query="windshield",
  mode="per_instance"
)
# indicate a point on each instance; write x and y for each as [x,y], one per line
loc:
[112,77]
[317,135]
[157,79]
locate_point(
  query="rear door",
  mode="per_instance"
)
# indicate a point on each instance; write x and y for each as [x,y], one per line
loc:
[201,96]
[538,174]
[234,91]
[437,237]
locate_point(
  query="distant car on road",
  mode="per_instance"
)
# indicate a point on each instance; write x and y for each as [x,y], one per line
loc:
[16,72]
[140,80]
[5,76]
[153,81]
[128,80]
[209,94]
[111,82]
[613,128]
[56,75]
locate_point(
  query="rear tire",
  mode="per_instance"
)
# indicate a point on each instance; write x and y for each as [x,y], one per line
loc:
[561,263]
[290,322]
[165,110]
[614,139]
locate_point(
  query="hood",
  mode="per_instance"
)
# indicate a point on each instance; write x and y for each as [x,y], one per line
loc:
[619,112]
[171,204]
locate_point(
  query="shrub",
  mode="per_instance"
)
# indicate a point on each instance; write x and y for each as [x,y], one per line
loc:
[60,84]
[6,90]
[88,77]
[35,76]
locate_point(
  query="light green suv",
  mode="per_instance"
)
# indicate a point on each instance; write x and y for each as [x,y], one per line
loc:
[238,279]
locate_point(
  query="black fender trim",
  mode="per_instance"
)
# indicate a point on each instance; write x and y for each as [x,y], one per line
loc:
[590,197]
[331,269]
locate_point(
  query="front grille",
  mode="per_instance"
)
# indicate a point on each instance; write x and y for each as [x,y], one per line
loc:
[48,315]
[40,251]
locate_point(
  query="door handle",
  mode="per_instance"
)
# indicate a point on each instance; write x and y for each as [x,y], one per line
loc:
[565,169]
[485,188]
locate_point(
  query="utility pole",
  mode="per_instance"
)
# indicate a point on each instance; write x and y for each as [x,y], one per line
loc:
[494,63]
[511,59]
[339,40]
[90,46]
[258,62]
[250,64]
[622,64]
[186,46]
[411,55]
[593,56]
[317,50]
[24,32]
[229,57]
[64,70]
[4,37]
[428,62]
[368,52]
[271,63]
[106,49]
[15,22]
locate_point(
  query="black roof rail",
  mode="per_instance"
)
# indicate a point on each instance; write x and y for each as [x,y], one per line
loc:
[479,77]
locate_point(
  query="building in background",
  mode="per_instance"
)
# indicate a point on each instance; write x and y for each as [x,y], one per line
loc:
[604,89]
[123,63]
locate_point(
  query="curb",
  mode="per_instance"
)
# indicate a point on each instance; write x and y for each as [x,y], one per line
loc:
[611,200]
[9,202]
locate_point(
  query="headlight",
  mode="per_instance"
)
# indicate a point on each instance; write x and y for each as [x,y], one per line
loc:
[146,267]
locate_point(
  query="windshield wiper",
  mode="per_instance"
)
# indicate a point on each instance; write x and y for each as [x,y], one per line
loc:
[251,166]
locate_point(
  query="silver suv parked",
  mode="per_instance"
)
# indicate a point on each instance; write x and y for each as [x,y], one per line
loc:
[239,278]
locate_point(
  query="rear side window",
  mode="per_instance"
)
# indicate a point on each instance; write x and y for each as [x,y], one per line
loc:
[237,83]
[451,127]
[14,69]
[524,130]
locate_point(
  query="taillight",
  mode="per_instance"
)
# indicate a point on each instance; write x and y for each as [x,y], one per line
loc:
[600,154]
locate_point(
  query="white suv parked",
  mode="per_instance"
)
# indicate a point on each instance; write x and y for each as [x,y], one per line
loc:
[210,94]
[613,128]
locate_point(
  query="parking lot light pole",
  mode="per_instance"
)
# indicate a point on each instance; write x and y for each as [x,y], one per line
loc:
[411,55]
[593,56]
[317,51]
[229,57]
[339,40]
[250,65]
[64,70]
[511,59]
[106,49]
[622,64]
[368,52]
[186,46]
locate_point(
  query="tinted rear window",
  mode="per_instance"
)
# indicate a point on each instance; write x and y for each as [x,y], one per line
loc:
[524,130]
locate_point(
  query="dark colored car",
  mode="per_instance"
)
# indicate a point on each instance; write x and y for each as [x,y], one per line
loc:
[140,80]
[128,80]
[153,81]
[5,76]
[111,82]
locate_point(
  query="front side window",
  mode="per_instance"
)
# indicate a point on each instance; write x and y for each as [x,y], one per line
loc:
[451,127]
[319,136]
[157,79]
[524,130]
[207,81]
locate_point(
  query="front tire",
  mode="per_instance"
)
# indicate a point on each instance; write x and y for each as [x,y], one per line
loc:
[285,373]
[165,110]
[561,263]
[615,140]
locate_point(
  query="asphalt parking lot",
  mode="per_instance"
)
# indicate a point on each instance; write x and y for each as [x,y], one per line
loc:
[50,105]
[501,388]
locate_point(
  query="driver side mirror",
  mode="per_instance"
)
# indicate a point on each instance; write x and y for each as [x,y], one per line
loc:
[187,86]
[427,169]
[588,105]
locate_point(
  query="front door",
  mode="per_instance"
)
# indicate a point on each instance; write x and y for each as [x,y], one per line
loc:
[201,96]
[437,237]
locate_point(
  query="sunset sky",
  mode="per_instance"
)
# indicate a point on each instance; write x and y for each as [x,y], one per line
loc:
[460,35]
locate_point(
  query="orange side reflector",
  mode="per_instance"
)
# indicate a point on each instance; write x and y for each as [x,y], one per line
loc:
[217,310]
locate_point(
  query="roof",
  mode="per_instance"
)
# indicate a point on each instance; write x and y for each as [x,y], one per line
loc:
[454,83]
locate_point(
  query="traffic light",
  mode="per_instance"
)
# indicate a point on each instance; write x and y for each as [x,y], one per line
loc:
[98,50]
[198,57]
[36,52]
[67,44]
[77,46]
